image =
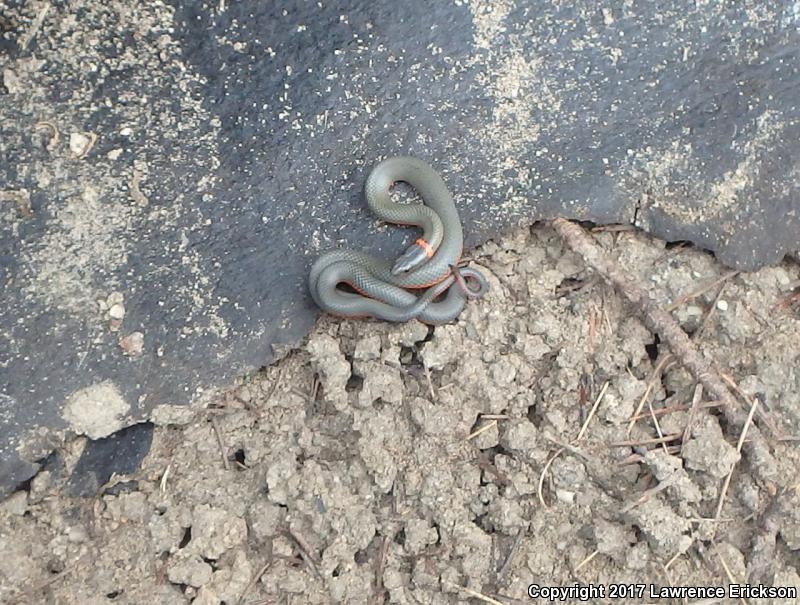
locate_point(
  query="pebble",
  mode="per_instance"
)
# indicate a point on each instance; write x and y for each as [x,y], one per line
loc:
[132,344]
[17,503]
[782,277]
[116,311]
[722,305]
[78,143]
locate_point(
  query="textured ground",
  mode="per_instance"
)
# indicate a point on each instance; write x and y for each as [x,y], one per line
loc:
[170,170]
[403,464]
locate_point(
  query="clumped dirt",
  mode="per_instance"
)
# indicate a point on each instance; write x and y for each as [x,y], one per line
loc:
[457,464]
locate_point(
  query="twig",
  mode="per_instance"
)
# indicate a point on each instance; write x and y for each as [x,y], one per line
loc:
[586,560]
[656,319]
[761,412]
[429,381]
[592,411]
[54,138]
[658,426]
[306,552]
[728,572]
[763,548]
[220,443]
[570,448]
[544,474]
[712,309]
[380,565]
[595,468]
[637,458]
[647,494]
[657,370]
[687,432]
[739,445]
[483,429]
[163,482]
[18,600]
[35,26]
[275,384]
[653,441]
[675,408]
[254,580]
[473,594]
[302,543]
[677,555]
[700,291]
[511,552]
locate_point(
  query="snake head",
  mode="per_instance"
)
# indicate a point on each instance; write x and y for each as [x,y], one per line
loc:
[412,257]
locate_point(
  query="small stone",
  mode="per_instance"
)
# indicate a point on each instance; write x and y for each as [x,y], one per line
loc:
[80,143]
[164,415]
[192,571]
[96,410]
[519,436]
[206,596]
[116,311]
[694,310]
[114,325]
[126,132]
[503,372]
[707,450]
[411,333]
[264,520]
[115,298]
[12,81]
[722,305]
[782,277]
[77,534]
[214,531]
[368,348]
[114,154]
[565,496]
[17,503]
[132,344]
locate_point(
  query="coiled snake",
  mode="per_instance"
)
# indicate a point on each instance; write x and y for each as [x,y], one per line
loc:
[430,264]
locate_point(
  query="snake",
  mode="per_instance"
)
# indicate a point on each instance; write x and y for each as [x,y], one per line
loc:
[385,290]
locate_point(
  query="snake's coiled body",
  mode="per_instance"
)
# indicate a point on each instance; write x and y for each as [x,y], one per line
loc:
[428,266]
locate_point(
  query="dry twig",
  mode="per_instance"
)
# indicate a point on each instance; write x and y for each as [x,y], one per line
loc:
[660,321]
[727,482]
[762,559]
[511,552]
[220,443]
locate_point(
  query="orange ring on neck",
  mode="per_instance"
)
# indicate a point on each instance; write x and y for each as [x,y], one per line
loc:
[425,246]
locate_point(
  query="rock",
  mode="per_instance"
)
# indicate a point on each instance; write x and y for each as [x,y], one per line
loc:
[116,311]
[332,366]
[707,450]
[666,532]
[132,344]
[368,348]
[215,530]
[190,569]
[519,435]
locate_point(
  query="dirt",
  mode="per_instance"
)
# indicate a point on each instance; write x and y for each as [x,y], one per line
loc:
[71,83]
[456,464]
